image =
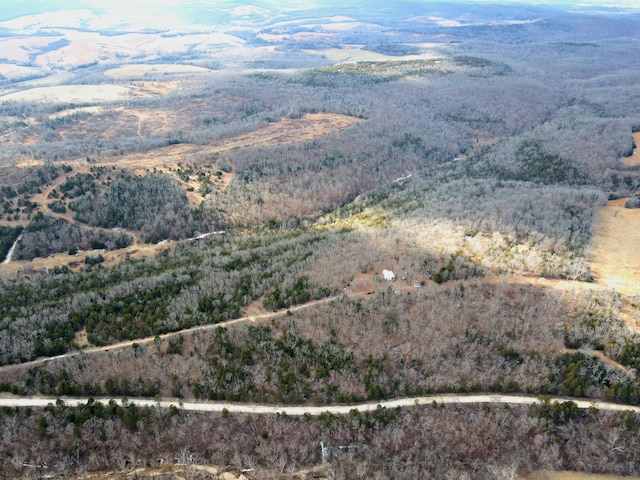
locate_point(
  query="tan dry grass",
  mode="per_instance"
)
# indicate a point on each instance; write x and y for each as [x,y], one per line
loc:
[140,70]
[73,111]
[28,162]
[80,338]
[16,72]
[615,260]
[90,93]
[634,159]
[70,94]
[616,236]
[20,48]
[286,131]
[76,262]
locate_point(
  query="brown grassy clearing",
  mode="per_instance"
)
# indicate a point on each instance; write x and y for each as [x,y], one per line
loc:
[285,131]
[142,70]
[125,122]
[80,338]
[28,163]
[76,262]
[70,93]
[614,257]
[616,237]
[16,72]
[634,159]
[165,159]
[73,111]
[90,93]
[615,241]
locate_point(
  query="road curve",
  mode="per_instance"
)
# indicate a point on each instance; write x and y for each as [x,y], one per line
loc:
[264,409]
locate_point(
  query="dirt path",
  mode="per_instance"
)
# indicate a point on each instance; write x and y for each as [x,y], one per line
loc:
[287,130]
[268,409]
[188,331]
[598,354]
[548,475]
[41,200]
[42,197]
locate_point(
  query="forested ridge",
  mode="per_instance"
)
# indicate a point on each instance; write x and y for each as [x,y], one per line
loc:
[472,161]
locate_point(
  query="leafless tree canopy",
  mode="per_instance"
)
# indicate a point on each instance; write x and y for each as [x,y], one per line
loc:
[274,188]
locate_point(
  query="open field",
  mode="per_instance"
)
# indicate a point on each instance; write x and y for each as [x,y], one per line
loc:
[73,111]
[615,242]
[167,159]
[81,93]
[285,131]
[142,70]
[145,121]
[77,262]
[614,247]
[17,72]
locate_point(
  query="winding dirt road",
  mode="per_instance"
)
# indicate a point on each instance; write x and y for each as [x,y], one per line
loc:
[148,340]
[262,409]
[8,400]
[42,198]
[284,131]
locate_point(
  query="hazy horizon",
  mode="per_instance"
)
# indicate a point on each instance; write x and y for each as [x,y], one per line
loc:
[190,10]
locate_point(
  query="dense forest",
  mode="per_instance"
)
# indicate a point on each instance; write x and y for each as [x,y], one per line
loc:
[273,189]
[438,441]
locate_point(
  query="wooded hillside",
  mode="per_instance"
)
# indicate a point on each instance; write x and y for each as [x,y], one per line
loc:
[232,223]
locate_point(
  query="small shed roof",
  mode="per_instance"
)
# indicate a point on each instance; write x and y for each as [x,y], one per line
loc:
[388,275]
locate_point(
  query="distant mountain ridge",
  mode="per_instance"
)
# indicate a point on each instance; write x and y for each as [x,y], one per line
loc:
[77,33]
[122,13]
